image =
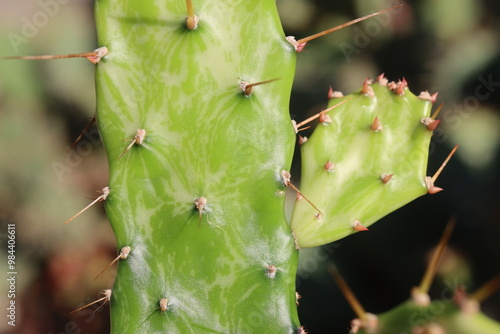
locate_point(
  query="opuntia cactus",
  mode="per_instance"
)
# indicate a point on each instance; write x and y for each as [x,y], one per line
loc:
[192,108]
[367,158]
[198,197]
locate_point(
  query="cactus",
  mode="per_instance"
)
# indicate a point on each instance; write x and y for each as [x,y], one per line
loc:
[198,194]
[192,108]
[353,167]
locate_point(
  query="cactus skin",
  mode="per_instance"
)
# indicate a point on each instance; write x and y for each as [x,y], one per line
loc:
[204,138]
[351,189]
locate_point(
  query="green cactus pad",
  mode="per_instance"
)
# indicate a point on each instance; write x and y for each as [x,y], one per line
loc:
[344,162]
[198,195]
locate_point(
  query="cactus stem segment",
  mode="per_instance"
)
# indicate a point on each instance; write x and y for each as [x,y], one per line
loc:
[286,180]
[357,226]
[321,114]
[105,193]
[348,294]
[376,125]
[385,178]
[105,299]
[271,271]
[123,255]
[200,204]
[138,139]
[419,294]
[301,43]
[247,88]
[94,56]
[84,131]
[191,20]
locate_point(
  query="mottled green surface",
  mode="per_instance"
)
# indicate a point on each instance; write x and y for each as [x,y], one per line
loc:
[203,138]
[353,190]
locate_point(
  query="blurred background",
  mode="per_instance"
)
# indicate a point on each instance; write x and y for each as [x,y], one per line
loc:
[447,46]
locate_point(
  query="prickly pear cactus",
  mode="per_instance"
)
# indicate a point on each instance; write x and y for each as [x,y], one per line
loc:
[367,158]
[197,194]
[198,198]
[193,113]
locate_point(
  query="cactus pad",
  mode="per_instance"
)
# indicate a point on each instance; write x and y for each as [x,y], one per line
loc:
[367,158]
[196,192]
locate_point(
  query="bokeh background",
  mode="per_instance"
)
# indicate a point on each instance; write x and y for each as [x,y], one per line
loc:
[450,46]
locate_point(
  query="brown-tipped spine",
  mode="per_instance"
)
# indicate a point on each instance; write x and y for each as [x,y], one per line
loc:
[191,19]
[106,299]
[285,175]
[94,56]
[105,192]
[123,255]
[301,43]
[247,88]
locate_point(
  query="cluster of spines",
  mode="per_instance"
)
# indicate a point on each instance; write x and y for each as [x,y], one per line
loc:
[329,165]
